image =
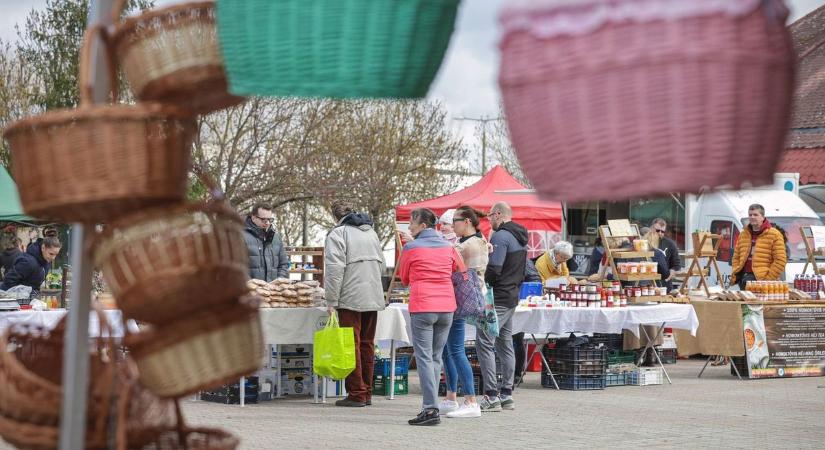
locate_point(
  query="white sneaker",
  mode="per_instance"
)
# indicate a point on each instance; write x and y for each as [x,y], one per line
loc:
[465,411]
[447,406]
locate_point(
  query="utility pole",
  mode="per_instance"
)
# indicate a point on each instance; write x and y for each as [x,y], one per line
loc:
[483,120]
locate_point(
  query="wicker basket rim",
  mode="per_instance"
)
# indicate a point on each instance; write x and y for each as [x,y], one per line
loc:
[166,212]
[138,112]
[221,316]
[14,365]
[128,25]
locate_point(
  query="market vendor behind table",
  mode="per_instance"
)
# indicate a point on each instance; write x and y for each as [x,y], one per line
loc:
[759,253]
[30,268]
[267,256]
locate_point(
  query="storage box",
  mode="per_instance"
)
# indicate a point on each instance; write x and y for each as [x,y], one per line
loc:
[402,365]
[574,382]
[381,385]
[615,379]
[645,376]
[296,382]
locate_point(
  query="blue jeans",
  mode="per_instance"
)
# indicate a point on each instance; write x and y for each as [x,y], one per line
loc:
[456,365]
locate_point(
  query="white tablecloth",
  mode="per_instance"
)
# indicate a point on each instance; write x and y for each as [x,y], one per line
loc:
[49,320]
[560,321]
[298,325]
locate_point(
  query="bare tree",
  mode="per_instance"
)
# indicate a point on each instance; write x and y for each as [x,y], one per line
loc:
[17,88]
[497,139]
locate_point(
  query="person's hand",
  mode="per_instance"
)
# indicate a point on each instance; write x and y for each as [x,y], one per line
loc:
[330,310]
[405,237]
[489,248]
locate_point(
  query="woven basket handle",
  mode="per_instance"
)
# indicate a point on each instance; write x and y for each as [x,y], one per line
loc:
[117,10]
[86,64]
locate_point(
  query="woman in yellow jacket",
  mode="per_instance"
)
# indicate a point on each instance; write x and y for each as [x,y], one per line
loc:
[760,250]
[553,264]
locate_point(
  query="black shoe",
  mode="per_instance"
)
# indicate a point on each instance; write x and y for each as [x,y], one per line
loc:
[350,403]
[426,417]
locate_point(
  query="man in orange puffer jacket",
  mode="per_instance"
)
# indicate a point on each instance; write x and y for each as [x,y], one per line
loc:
[759,253]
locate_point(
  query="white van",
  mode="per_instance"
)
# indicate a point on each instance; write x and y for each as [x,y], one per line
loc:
[726,213]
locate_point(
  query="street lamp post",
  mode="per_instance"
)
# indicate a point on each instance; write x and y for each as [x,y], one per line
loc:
[483,121]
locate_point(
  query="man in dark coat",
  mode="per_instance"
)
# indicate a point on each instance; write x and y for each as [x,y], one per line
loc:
[30,268]
[668,246]
[267,256]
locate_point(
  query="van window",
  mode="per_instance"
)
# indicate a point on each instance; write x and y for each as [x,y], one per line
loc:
[726,229]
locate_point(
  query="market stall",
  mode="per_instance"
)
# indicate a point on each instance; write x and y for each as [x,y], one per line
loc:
[542,322]
[770,330]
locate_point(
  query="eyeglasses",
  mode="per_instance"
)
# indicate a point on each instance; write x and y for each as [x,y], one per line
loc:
[460,219]
[660,231]
[266,219]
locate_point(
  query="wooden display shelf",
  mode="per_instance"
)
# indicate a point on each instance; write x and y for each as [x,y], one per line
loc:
[306,252]
[305,271]
[638,277]
[694,273]
[650,298]
[620,254]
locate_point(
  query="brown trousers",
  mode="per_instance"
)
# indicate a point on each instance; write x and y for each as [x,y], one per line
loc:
[359,382]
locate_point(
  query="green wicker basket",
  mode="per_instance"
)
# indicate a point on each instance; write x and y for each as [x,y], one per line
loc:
[334,48]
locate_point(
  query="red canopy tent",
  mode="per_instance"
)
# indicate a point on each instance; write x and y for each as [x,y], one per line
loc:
[542,218]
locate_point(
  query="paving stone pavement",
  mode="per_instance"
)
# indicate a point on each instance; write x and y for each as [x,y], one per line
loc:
[716,411]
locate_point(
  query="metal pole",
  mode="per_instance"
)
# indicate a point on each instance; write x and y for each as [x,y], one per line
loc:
[76,347]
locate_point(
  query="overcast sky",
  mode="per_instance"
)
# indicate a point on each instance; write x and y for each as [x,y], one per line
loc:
[467,80]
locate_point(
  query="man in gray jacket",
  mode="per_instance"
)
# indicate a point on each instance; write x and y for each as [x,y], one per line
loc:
[354,263]
[267,257]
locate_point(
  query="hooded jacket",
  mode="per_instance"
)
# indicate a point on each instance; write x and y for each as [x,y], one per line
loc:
[29,269]
[267,256]
[353,266]
[505,270]
[8,257]
[769,256]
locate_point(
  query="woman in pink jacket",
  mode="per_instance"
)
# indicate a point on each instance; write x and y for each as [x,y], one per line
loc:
[427,265]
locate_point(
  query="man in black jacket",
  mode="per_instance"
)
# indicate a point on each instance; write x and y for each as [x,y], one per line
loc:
[668,246]
[267,256]
[505,273]
[30,268]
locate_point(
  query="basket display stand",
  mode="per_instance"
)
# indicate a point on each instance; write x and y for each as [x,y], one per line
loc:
[701,249]
[76,367]
[808,238]
[617,254]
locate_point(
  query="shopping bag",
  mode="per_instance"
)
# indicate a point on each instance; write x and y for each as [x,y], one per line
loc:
[487,321]
[468,294]
[334,350]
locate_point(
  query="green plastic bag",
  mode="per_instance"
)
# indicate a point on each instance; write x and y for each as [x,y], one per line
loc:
[334,350]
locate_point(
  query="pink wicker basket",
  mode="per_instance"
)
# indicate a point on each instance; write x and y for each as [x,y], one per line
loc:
[633,98]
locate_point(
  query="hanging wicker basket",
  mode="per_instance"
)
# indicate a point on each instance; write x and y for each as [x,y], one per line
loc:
[347,48]
[97,162]
[31,392]
[200,351]
[636,98]
[168,262]
[172,55]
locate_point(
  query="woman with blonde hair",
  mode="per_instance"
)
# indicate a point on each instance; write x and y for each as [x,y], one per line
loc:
[473,249]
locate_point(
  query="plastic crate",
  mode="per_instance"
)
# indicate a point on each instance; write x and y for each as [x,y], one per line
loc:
[620,357]
[381,385]
[608,340]
[215,397]
[402,365]
[645,376]
[578,354]
[442,386]
[615,379]
[574,382]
